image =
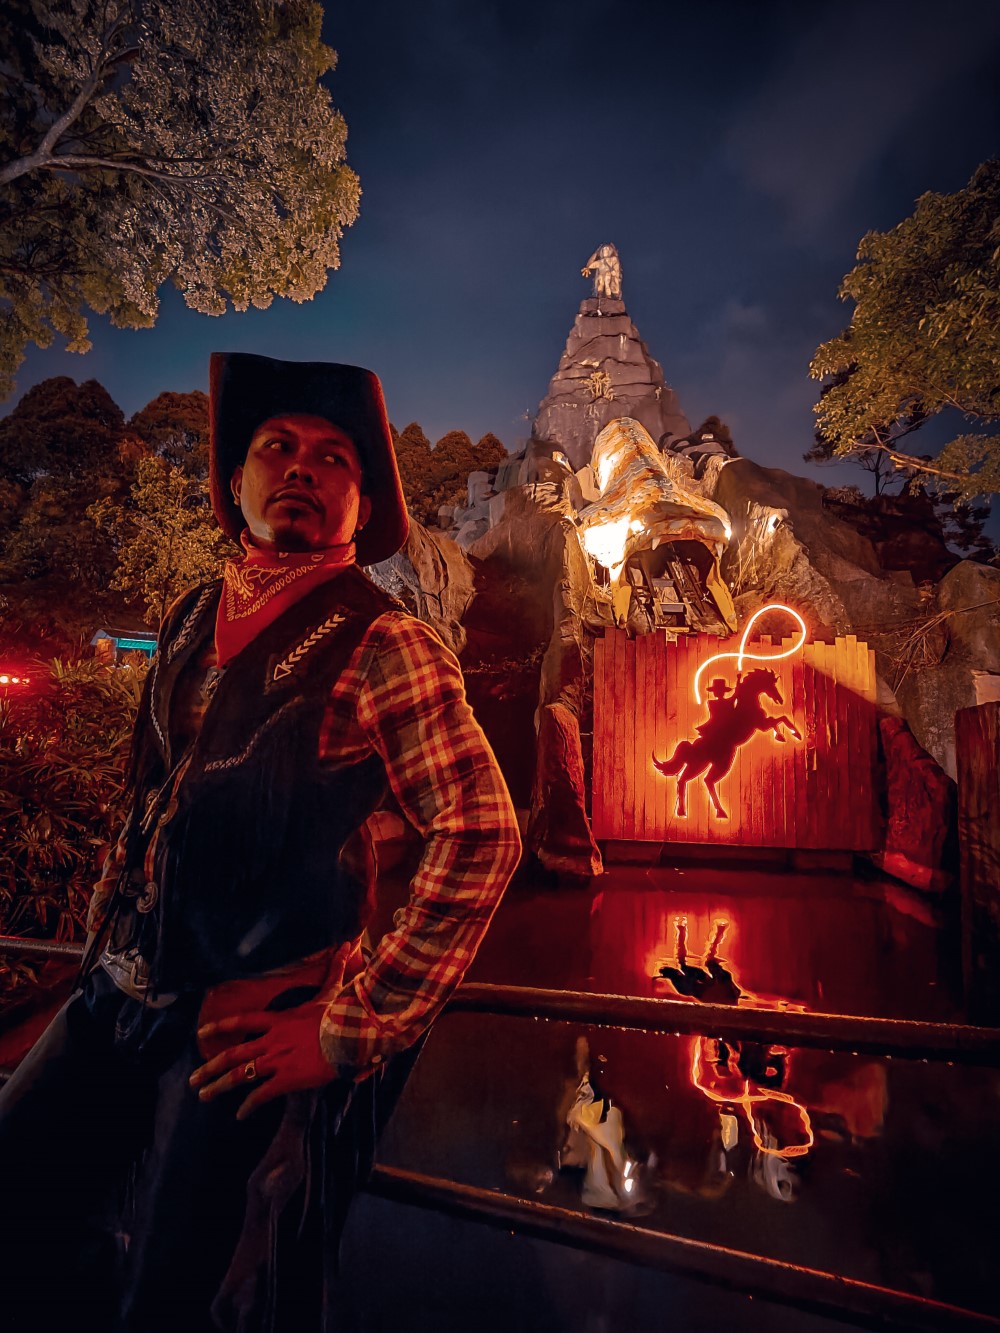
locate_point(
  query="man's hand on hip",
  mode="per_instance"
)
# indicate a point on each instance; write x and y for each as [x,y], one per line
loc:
[269,1054]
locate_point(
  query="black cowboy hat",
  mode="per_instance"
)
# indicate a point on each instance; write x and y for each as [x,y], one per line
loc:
[246,389]
[718,688]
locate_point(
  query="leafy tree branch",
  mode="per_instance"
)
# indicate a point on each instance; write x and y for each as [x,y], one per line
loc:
[184,141]
[924,338]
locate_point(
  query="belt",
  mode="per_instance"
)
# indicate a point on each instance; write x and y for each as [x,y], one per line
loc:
[130,973]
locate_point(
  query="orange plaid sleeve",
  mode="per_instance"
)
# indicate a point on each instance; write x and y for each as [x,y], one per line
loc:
[404,690]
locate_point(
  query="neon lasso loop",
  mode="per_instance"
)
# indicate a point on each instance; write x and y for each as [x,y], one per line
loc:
[745,653]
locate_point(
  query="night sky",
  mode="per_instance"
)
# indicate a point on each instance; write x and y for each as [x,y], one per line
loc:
[734,153]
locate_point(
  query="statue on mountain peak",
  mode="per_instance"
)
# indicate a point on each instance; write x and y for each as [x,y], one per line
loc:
[607,270]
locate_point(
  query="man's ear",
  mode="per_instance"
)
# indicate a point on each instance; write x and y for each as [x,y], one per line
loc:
[236,483]
[364,511]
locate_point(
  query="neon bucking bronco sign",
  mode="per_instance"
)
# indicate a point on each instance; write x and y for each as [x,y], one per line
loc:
[735,716]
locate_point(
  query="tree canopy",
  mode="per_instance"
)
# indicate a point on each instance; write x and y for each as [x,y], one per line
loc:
[182,141]
[174,426]
[924,337]
[99,515]
[61,428]
[439,475]
[60,449]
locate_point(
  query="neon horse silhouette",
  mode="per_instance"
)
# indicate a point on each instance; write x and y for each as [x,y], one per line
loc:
[730,724]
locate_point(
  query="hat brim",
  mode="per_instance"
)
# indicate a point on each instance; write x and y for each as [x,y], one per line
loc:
[246,389]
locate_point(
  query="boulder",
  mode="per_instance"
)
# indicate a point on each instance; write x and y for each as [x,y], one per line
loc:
[955,658]
[509,472]
[921,811]
[970,596]
[470,530]
[434,579]
[905,531]
[606,372]
[787,546]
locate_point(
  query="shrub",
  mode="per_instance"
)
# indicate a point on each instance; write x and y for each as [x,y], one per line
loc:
[63,753]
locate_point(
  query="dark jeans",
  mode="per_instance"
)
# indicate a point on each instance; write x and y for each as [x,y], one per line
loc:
[99,1115]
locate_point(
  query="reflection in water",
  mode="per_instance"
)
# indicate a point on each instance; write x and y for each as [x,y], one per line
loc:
[749,1082]
[595,1142]
[712,982]
[720,1070]
[886,1194]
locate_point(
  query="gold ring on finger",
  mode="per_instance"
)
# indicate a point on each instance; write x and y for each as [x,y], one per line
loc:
[250,1071]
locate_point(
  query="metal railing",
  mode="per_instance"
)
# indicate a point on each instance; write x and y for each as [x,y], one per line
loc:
[951,1042]
[41,948]
[893,1037]
[826,1294]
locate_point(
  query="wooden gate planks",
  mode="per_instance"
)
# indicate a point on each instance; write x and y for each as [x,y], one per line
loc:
[817,793]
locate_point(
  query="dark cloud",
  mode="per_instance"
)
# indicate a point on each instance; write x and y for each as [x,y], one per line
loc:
[844,92]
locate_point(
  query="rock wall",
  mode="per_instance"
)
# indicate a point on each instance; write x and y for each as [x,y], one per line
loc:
[787,546]
[921,811]
[606,372]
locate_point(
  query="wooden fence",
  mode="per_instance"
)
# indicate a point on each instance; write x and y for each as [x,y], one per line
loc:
[817,792]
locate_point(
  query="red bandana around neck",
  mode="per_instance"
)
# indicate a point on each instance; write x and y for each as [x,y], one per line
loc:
[258,588]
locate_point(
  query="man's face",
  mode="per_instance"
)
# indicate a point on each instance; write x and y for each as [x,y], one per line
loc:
[300,485]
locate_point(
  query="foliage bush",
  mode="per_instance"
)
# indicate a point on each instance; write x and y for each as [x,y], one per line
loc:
[165,537]
[63,754]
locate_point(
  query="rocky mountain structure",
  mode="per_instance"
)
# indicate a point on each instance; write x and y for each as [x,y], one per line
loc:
[606,372]
[525,601]
[593,525]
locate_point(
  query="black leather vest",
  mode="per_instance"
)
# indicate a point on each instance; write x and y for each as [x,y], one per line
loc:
[251,870]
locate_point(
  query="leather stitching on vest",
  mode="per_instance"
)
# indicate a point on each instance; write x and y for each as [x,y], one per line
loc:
[188,628]
[152,706]
[287,664]
[234,760]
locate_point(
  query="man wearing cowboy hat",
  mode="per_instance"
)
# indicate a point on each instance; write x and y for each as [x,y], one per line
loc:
[720,706]
[228,1025]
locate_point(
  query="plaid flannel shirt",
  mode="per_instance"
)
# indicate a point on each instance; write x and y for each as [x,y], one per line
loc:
[403,697]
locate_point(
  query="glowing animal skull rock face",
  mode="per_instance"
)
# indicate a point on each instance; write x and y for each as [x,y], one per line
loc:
[640,503]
